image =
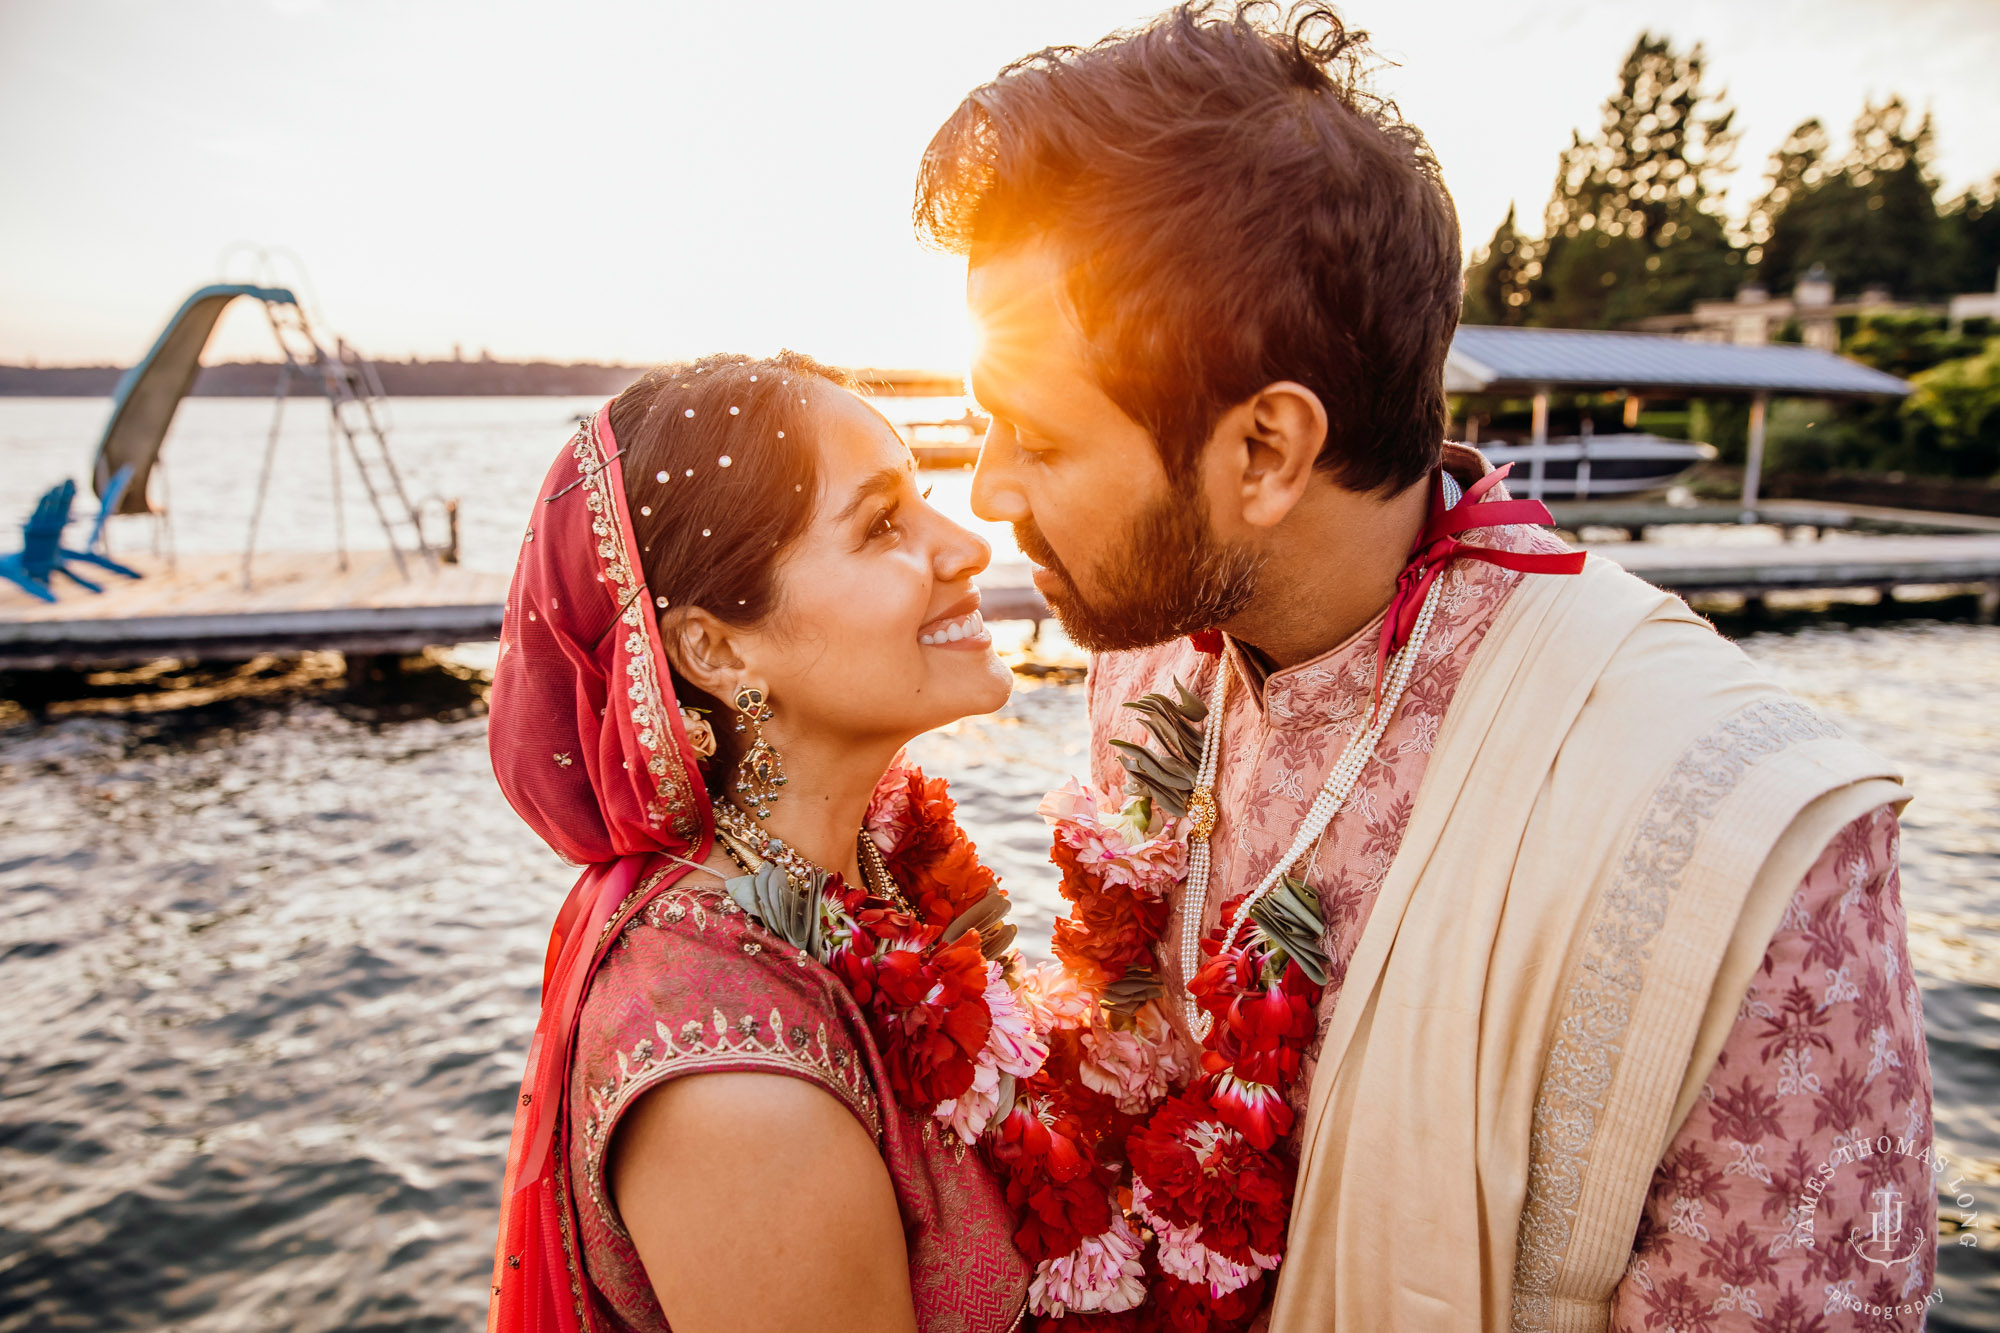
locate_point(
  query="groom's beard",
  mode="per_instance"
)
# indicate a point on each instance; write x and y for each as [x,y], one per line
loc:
[1172,577]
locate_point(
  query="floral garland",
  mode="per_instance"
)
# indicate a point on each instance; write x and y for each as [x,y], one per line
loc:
[1158,1200]
[1143,1173]
[936,983]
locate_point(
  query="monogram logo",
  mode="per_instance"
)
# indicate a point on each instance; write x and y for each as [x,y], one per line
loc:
[1886,1243]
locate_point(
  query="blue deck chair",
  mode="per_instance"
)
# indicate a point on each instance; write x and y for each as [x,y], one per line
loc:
[93,548]
[31,567]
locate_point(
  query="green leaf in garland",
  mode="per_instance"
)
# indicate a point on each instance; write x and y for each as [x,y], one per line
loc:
[988,916]
[1129,993]
[1165,781]
[1175,724]
[791,915]
[1289,916]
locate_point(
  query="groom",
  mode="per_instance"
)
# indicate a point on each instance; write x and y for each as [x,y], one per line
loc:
[1620,1028]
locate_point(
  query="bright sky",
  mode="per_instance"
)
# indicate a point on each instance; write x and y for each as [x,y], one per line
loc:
[655,178]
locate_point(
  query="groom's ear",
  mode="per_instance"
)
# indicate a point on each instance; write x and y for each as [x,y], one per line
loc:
[1266,446]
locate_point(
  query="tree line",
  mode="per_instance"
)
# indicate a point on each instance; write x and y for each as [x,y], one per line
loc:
[1636,225]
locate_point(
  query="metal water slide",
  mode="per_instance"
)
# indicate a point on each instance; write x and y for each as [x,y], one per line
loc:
[150,393]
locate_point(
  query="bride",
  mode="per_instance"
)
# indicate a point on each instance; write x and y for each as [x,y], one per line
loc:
[780,1012]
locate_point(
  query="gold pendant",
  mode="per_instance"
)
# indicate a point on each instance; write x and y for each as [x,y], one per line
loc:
[1201,814]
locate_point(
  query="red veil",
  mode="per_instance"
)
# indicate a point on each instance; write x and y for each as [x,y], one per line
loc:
[588,746]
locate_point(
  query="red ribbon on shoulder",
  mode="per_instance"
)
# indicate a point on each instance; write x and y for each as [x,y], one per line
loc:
[1438,545]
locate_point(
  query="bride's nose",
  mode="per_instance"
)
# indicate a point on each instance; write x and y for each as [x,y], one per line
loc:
[960,554]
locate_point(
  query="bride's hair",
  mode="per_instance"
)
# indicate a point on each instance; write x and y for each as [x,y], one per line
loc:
[720,476]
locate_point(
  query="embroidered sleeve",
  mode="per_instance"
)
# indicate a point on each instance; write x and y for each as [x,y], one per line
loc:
[692,987]
[1799,1193]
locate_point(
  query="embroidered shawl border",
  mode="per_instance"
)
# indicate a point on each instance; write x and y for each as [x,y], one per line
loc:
[655,723]
[1583,1056]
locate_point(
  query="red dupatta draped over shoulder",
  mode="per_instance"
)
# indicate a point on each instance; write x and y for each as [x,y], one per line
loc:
[588,746]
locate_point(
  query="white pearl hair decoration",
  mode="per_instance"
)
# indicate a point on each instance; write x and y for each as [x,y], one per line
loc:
[661,475]
[1339,784]
[688,413]
[724,461]
[734,411]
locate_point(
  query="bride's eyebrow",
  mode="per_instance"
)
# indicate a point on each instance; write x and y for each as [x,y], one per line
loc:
[879,485]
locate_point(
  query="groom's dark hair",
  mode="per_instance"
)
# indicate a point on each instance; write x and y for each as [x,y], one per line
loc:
[1233,208]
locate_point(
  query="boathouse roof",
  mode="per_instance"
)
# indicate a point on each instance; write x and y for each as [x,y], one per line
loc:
[1491,359]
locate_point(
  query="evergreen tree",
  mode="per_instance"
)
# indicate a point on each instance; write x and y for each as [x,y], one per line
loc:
[1871,219]
[1798,168]
[1633,226]
[1974,218]
[1496,285]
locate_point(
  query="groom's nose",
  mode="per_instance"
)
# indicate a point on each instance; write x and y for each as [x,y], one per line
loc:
[997,496]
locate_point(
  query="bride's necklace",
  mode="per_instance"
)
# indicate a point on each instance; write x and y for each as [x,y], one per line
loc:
[749,844]
[1201,805]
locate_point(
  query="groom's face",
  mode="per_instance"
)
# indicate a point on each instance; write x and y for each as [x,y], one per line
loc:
[1124,554]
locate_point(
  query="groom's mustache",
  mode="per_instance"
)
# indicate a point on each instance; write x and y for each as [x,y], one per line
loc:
[1036,547]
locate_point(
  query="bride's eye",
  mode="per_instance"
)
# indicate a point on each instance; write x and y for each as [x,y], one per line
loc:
[884,525]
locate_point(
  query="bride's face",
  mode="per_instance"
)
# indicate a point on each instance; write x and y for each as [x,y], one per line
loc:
[877,634]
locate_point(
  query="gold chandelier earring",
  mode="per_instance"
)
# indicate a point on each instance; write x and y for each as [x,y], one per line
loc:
[760,772]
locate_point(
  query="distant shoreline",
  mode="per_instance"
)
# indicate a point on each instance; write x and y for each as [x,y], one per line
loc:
[423,379]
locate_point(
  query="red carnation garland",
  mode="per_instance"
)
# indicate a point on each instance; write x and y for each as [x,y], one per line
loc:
[950,1023]
[1188,1163]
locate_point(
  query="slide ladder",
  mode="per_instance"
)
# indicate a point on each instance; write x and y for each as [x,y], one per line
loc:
[354,396]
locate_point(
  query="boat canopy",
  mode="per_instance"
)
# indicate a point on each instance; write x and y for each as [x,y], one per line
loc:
[1517,362]
[148,395]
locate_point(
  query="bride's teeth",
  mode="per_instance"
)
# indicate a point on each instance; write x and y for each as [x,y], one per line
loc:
[965,627]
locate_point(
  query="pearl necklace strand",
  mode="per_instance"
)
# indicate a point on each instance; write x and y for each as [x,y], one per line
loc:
[1327,804]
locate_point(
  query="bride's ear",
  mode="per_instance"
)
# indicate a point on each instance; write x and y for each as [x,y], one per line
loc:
[702,649]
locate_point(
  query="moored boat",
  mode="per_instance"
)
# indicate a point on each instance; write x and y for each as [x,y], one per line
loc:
[1578,467]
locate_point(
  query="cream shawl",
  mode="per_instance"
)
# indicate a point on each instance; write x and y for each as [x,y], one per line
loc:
[1616,814]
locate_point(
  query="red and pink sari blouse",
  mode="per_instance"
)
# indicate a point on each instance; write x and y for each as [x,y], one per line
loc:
[693,986]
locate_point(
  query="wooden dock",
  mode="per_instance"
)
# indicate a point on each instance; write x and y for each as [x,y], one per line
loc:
[1636,516]
[297,602]
[305,602]
[1872,562]
[1884,563]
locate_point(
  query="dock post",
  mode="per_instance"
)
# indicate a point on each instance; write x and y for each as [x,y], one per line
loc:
[1753,466]
[1540,440]
[372,675]
[1989,603]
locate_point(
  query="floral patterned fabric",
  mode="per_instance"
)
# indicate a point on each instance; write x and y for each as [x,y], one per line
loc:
[692,985]
[1828,1051]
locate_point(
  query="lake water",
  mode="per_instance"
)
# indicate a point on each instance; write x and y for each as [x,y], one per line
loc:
[271,953]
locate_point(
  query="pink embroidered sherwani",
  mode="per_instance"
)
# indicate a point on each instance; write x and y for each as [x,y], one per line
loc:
[1827,1050]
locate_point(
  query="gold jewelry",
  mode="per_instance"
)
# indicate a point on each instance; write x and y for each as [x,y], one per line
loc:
[761,771]
[750,846]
